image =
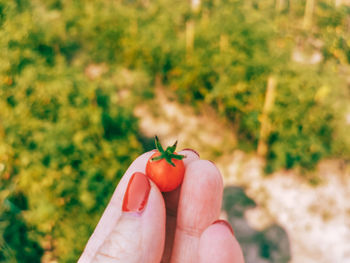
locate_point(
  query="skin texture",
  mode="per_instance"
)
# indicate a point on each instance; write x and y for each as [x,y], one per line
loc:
[163,174]
[173,227]
[217,236]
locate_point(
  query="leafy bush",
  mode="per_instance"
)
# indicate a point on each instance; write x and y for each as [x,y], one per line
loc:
[238,46]
[66,140]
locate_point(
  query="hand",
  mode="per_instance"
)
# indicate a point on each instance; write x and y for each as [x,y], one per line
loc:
[165,227]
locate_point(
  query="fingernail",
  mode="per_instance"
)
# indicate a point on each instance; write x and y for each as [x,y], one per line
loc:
[212,162]
[137,192]
[225,223]
[188,149]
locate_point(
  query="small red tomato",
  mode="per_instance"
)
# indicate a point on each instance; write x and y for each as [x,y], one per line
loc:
[166,168]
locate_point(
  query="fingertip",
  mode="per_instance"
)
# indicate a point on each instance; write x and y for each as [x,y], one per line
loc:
[218,244]
[191,150]
[207,170]
[219,230]
[190,156]
[138,165]
[207,164]
[141,161]
[226,224]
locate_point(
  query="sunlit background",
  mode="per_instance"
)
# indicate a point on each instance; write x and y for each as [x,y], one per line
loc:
[261,87]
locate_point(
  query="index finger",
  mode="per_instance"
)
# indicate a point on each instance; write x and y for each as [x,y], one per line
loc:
[171,202]
[199,206]
[113,210]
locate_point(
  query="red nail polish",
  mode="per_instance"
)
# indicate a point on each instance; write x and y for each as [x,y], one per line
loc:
[137,192]
[188,149]
[225,223]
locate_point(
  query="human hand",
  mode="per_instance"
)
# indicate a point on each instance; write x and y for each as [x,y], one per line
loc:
[145,225]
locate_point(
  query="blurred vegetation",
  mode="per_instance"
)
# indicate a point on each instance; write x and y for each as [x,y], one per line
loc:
[71,72]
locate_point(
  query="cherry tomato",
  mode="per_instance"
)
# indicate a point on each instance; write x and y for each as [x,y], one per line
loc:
[166,168]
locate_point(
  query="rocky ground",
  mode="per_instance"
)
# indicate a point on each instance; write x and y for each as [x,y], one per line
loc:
[277,218]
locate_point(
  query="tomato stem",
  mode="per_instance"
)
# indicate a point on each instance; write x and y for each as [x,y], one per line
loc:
[168,154]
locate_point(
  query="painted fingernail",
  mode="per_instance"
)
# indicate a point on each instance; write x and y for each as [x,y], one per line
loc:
[188,149]
[137,192]
[225,223]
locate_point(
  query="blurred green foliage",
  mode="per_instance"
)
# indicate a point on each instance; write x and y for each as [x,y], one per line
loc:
[65,139]
[67,133]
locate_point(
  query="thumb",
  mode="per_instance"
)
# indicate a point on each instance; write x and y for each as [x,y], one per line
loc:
[138,235]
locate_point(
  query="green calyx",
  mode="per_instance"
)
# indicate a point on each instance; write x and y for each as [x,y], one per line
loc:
[167,154]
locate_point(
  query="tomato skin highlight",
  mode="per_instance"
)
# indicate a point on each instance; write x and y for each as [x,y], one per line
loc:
[163,174]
